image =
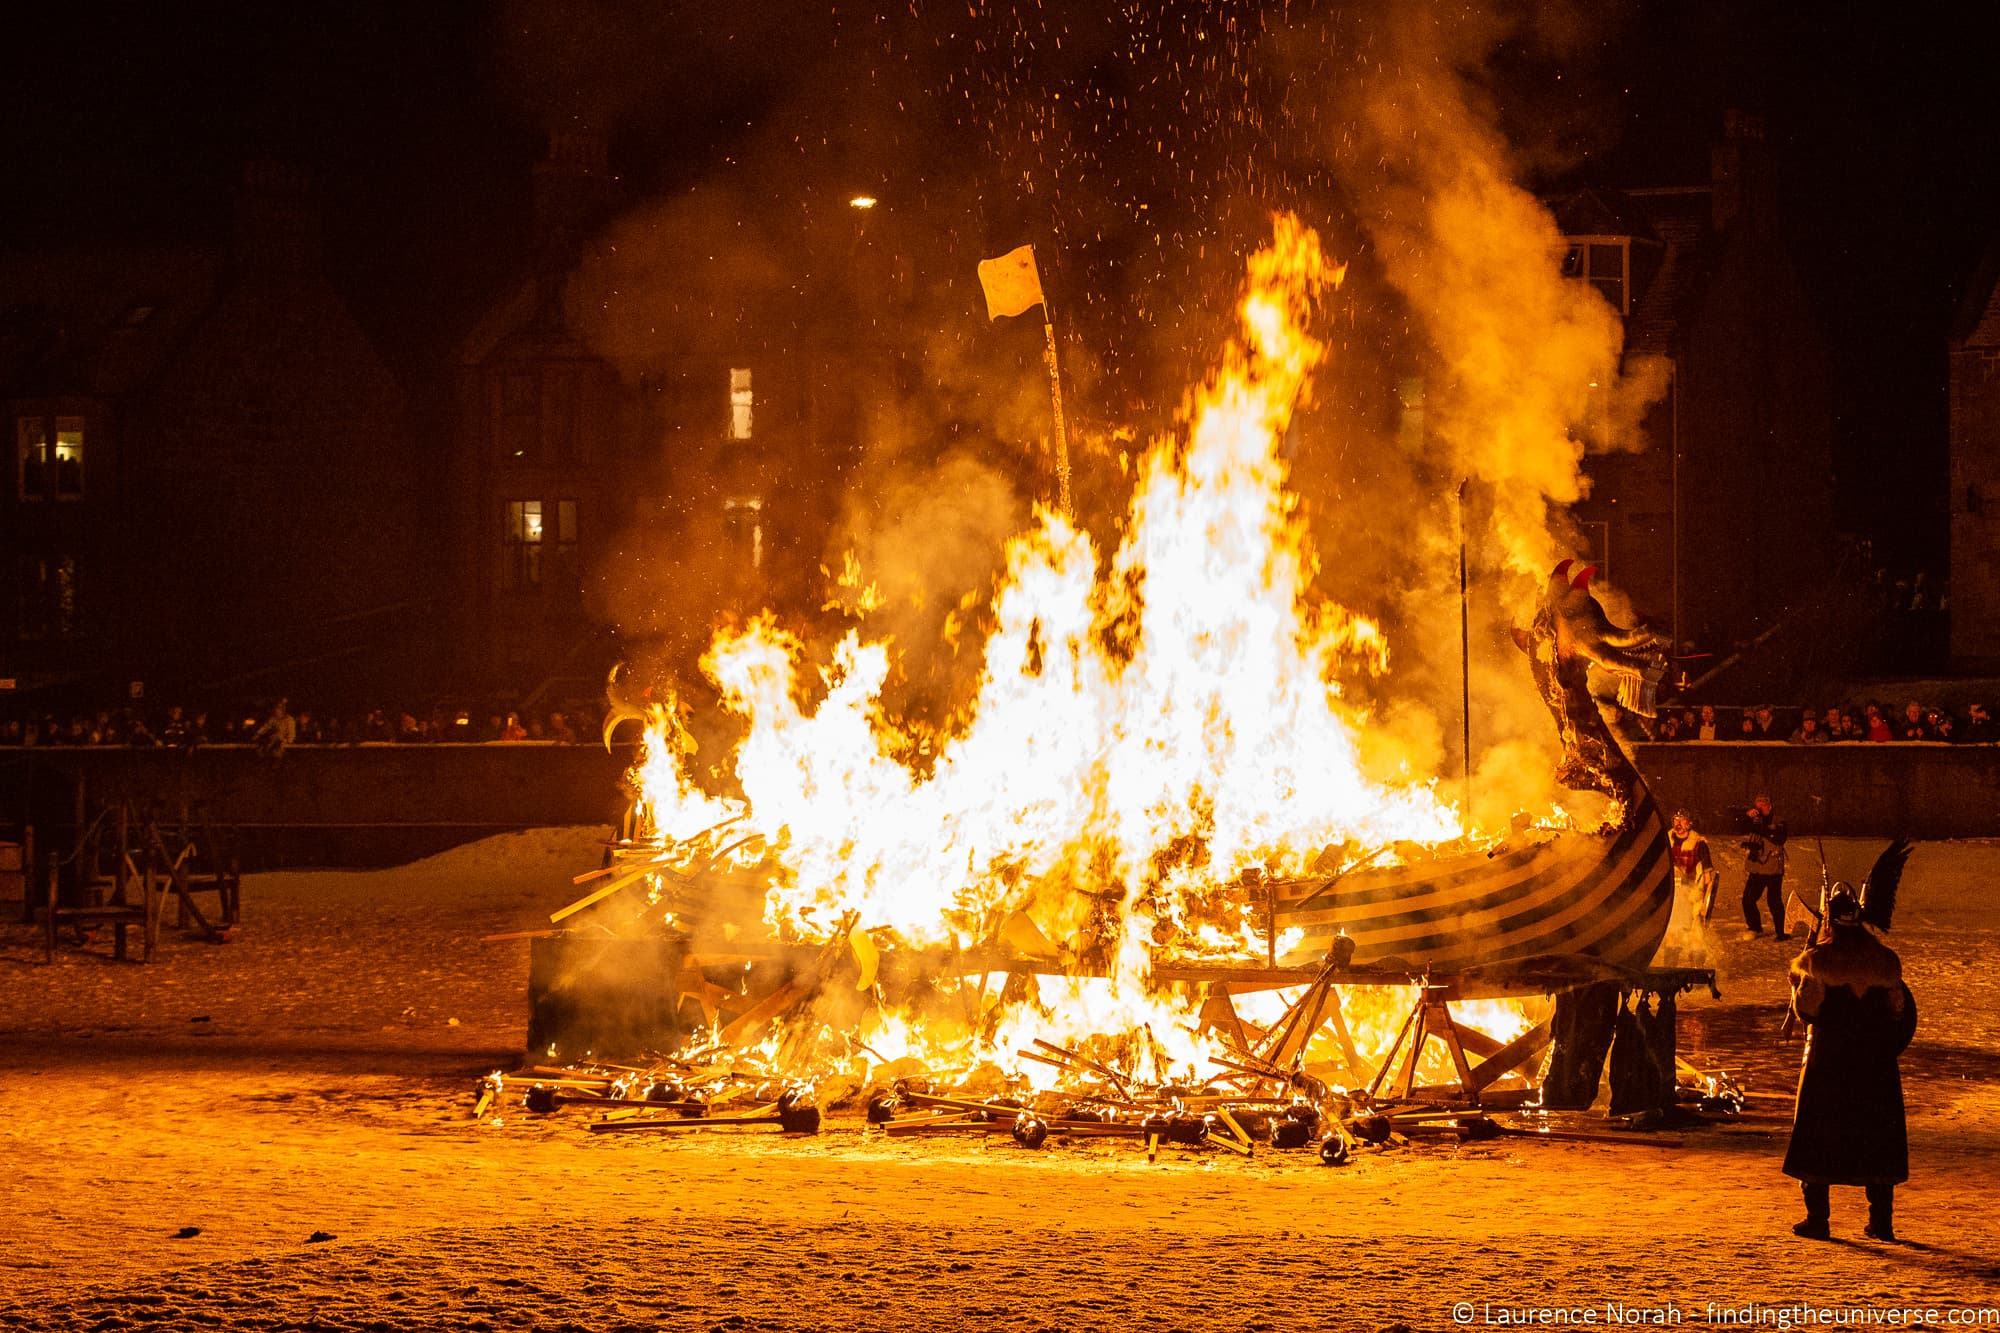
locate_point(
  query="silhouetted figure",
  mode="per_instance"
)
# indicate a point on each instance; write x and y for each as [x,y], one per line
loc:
[1764,848]
[278,731]
[1849,1128]
[177,732]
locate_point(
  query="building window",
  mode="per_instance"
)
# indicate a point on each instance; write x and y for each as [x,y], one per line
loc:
[520,425]
[1605,262]
[50,450]
[48,597]
[741,403]
[743,520]
[564,569]
[523,543]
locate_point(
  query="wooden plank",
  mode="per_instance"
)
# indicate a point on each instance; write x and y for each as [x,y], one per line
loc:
[1475,1041]
[755,1017]
[599,895]
[1445,1029]
[1357,1068]
[1513,1055]
[1389,1056]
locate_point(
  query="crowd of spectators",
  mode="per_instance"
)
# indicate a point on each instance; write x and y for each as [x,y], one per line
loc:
[276,725]
[1840,724]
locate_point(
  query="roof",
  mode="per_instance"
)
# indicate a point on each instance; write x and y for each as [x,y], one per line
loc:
[98,325]
[1978,320]
[1675,225]
[1657,311]
[526,324]
[1598,212]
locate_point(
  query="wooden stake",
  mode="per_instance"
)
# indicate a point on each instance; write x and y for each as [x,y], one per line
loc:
[1235,1128]
[1357,1068]
[1055,398]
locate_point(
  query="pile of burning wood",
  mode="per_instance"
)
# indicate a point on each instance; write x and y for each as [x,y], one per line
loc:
[781,1044]
[1252,1104]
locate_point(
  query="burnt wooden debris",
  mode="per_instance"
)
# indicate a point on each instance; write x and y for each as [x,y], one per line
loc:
[739,1025]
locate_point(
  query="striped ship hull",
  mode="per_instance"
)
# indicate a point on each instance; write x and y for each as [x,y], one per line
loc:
[1575,895]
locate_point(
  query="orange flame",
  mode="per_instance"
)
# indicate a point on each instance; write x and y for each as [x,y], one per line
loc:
[1143,733]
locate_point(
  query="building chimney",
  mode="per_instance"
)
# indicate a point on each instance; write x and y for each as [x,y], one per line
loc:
[277,224]
[572,192]
[1740,171]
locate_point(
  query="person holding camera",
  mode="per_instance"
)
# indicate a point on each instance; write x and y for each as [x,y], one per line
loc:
[1764,848]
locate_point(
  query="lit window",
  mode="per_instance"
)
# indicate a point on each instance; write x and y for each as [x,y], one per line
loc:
[1603,262]
[51,457]
[743,518]
[523,541]
[741,403]
[69,457]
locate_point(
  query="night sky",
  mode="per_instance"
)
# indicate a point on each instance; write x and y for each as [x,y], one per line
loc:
[129,123]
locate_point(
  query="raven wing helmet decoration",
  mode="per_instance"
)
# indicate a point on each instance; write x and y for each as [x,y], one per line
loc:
[1878,891]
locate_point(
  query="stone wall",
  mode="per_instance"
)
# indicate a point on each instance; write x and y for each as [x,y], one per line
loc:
[330,804]
[1862,790]
[1975,508]
[376,804]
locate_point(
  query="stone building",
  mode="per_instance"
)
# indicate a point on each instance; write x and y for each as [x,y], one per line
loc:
[1720,524]
[211,466]
[1974,355]
[608,496]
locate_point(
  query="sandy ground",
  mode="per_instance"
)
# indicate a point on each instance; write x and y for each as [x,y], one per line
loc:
[314,1076]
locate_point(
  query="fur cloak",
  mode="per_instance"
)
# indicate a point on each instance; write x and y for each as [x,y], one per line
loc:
[1849,1127]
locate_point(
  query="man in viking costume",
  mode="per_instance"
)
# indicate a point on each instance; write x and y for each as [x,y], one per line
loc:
[1847,988]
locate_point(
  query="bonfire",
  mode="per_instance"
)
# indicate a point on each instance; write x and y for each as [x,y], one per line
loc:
[1111,891]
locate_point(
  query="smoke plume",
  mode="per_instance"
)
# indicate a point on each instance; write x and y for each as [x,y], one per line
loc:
[1142,149]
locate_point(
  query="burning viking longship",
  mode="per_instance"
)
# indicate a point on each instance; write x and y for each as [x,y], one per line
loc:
[1156,758]
[1603,896]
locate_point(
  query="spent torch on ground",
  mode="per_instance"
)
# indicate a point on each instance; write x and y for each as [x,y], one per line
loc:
[1062,911]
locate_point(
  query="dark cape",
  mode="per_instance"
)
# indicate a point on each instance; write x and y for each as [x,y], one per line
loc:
[1849,1127]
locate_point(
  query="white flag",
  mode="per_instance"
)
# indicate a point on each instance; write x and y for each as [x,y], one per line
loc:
[1010,282]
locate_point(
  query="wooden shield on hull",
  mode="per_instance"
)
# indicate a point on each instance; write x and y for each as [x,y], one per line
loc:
[1571,895]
